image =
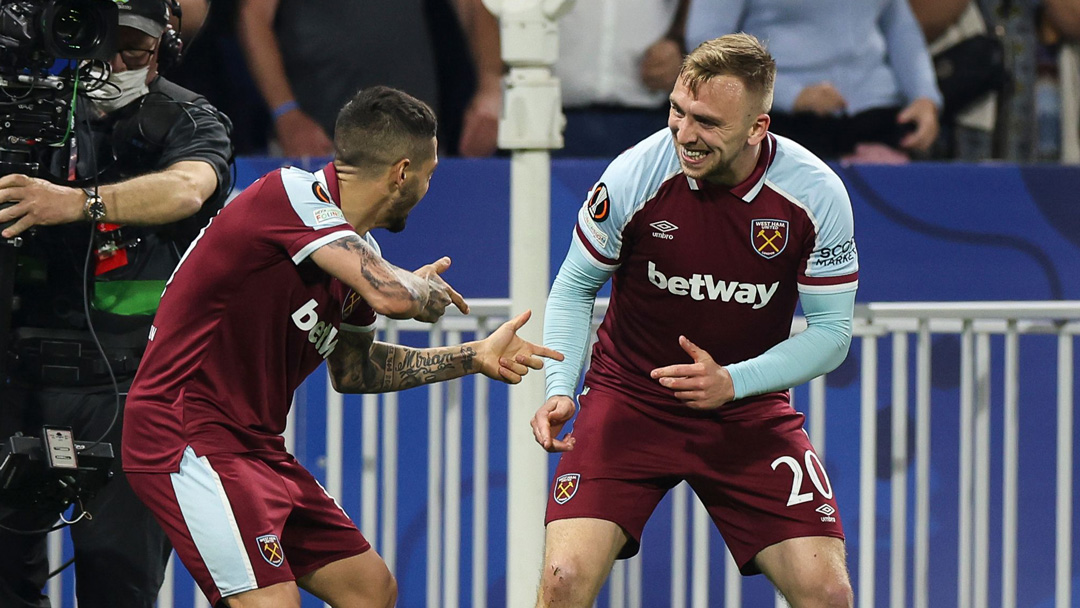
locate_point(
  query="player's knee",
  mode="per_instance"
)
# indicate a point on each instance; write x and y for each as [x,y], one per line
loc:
[823,592]
[563,581]
[380,592]
[835,594]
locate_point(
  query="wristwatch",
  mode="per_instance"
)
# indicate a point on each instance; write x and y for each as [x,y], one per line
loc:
[94,207]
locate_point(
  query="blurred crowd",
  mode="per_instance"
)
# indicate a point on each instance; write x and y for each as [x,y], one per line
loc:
[884,81]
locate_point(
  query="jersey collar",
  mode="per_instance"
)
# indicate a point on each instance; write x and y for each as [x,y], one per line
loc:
[752,185]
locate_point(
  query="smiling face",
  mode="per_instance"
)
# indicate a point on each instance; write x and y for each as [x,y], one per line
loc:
[717,130]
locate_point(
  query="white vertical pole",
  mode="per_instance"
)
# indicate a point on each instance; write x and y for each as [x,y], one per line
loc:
[530,126]
[1010,466]
[1063,586]
[335,423]
[530,190]
[679,535]
[55,549]
[481,443]
[898,559]
[981,500]
[817,415]
[617,585]
[1069,71]
[388,519]
[732,581]
[452,489]
[967,392]
[921,568]
[634,574]
[699,597]
[369,472]
[867,471]
[434,486]
[335,413]
[165,597]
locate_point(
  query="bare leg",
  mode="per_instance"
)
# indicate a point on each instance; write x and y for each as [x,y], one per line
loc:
[810,572]
[360,581]
[281,595]
[578,556]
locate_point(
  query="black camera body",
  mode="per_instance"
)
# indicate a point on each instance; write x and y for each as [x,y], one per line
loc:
[37,104]
[37,116]
[34,33]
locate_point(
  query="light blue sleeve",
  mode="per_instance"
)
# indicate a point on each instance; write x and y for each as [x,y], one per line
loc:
[907,53]
[568,318]
[818,350]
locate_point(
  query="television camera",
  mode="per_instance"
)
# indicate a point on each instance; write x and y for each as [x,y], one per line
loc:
[48,48]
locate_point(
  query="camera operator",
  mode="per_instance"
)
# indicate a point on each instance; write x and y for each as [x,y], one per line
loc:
[147,168]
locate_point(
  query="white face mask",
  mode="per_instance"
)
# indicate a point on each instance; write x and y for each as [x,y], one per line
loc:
[122,89]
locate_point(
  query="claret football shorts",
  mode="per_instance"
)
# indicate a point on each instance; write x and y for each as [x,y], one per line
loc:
[751,465]
[239,522]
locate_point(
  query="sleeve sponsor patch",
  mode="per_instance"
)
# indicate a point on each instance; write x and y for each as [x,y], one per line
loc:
[599,204]
[327,215]
[836,255]
[596,233]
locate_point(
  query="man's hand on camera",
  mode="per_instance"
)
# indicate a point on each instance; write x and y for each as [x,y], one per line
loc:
[37,202]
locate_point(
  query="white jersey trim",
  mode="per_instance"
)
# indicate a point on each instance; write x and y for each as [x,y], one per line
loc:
[794,201]
[590,257]
[838,288]
[319,242]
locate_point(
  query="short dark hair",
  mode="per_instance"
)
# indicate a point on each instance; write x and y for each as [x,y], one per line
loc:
[380,126]
[740,55]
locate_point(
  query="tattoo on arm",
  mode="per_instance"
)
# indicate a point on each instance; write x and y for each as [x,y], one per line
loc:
[390,367]
[369,263]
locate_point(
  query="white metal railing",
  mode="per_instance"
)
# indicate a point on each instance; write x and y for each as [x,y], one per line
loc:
[692,531]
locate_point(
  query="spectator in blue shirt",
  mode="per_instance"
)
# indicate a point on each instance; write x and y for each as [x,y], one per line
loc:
[849,72]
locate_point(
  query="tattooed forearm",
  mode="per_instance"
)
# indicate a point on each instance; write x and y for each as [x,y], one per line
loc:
[376,271]
[359,365]
[415,367]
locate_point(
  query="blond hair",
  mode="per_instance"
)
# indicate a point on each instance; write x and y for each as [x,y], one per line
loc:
[739,55]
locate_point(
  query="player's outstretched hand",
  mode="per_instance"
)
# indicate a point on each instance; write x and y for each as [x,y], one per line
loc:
[548,423]
[505,356]
[702,385]
[440,293]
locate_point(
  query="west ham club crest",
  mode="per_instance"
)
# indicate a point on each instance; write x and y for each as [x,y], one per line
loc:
[270,549]
[566,486]
[768,237]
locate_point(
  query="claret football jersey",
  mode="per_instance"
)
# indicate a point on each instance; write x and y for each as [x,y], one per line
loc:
[244,319]
[722,266]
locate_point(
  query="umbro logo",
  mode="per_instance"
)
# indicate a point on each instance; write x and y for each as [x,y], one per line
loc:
[827,512]
[663,227]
